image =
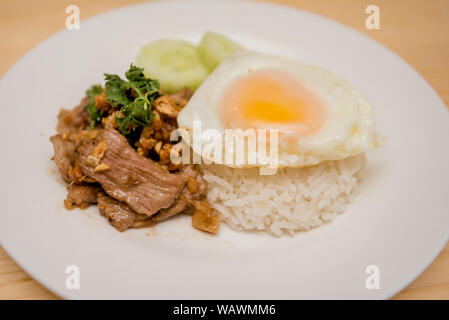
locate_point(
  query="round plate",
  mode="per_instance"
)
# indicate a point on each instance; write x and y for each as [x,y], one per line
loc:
[399,221]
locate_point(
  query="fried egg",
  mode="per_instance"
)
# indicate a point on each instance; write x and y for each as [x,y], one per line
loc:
[318,116]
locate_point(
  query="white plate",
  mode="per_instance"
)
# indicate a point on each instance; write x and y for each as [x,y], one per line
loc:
[399,222]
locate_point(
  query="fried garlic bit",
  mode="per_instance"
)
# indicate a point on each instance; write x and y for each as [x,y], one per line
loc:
[100,150]
[101,167]
[166,105]
[204,218]
[93,160]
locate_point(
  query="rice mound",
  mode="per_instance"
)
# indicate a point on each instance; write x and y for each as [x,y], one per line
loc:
[293,199]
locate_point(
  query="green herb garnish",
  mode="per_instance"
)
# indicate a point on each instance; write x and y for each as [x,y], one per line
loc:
[131,98]
[90,107]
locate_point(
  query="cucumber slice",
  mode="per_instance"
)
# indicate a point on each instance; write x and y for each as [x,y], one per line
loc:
[175,63]
[214,48]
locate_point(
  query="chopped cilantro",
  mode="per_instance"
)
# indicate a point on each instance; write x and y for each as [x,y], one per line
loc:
[131,98]
[90,107]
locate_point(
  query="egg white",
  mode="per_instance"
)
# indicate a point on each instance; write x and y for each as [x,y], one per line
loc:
[347,131]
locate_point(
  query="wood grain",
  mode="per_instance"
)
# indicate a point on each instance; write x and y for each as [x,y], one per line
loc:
[416,30]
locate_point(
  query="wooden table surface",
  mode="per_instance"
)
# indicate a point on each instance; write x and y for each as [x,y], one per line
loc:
[416,30]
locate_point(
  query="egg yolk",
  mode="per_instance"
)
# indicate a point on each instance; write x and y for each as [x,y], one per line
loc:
[274,100]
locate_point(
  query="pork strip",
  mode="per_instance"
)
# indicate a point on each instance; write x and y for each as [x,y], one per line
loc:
[194,189]
[119,214]
[63,155]
[130,177]
[80,195]
[74,120]
[179,205]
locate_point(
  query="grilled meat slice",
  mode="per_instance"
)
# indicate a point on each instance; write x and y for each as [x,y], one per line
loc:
[63,155]
[127,176]
[72,121]
[119,214]
[81,195]
[194,189]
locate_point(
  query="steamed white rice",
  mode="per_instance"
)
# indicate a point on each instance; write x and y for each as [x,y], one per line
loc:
[291,200]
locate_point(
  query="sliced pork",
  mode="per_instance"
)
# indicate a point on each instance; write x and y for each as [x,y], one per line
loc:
[73,121]
[119,214]
[178,206]
[127,176]
[133,182]
[194,189]
[81,196]
[63,155]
